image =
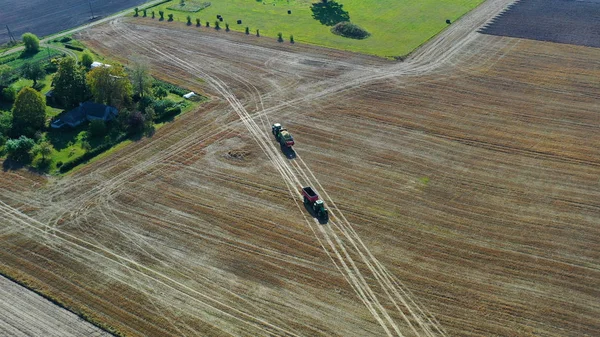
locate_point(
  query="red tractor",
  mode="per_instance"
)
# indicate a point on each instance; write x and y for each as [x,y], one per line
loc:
[316,205]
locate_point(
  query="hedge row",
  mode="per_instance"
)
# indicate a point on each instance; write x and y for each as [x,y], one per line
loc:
[70,46]
[90,154]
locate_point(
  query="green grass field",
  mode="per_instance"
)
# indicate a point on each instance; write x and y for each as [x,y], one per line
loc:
[397,27]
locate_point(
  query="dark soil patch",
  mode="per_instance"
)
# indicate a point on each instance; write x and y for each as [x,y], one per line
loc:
[42,19]
[564,21]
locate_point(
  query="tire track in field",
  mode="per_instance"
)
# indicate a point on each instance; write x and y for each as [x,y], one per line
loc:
[147,272]
[353,272]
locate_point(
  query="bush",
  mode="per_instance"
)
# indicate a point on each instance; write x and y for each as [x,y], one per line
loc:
[18,149]
[136,10]
[162,15]
[350,30]
[161,106]
[226,27]
[136,122]
[65,39]
[189,20]
[279,37]
[9,94]
[170,17]
[291,38]
[97,128]
[59,164]
[217,27]
[87,59]
[247,30]
[198,24]
[50,67]
[153,14]
[144,11]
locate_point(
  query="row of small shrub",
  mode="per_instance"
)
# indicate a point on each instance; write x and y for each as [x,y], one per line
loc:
[9,58]
[179,91]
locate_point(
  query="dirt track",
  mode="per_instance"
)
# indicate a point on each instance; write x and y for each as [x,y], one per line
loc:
[463,185]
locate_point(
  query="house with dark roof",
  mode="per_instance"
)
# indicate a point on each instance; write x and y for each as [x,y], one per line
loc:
[86,111]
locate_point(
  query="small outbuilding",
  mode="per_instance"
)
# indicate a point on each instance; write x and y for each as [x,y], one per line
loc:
[96,64]
[189,95]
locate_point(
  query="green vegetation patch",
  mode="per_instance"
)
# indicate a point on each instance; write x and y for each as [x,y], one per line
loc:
[16,60]
[396,27]
[189,6]
[348,29]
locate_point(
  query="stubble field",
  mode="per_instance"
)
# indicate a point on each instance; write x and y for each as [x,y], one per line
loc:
[463,184]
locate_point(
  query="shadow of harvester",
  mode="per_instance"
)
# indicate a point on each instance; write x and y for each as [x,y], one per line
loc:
[288,151]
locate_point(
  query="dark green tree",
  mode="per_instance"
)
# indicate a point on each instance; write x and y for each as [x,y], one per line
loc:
[33,71]
[5,75]
[291,38]
[153,14]
[279,37]
[189,20]
[136,10]
[97,128]
[70,87]
[170,17]
[162,15]
[247,30]
[29,112]
[217,26]
[31,42]
[144,11]
[257,33]
[226,27]
[198,24]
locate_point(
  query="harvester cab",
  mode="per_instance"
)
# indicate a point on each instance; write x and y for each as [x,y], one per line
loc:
[275,128]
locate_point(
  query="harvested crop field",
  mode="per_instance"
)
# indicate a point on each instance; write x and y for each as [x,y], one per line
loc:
[563,21]
[463,186]
[42,18]
[25,313]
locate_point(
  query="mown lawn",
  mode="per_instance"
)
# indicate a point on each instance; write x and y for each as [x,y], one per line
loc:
[397,26]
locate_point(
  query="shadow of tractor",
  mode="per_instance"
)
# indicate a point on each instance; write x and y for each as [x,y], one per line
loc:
[288,151]
[329,13]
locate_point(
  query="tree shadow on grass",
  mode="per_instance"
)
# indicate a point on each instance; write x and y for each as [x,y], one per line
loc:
[63,137]
[329,13]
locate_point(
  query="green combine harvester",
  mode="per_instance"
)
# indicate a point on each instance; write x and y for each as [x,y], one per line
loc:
[283,136]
